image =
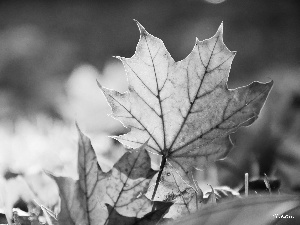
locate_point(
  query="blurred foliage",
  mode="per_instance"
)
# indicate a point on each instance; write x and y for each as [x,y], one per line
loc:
[42,41]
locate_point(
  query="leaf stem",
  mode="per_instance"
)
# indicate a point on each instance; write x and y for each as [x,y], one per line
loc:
[267,183]
[246,184]
[162,165]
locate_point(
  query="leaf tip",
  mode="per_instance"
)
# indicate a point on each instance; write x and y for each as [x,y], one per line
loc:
[77,127]
[220,30]
[268,86]
[270,83]
[221,27]
[146,143]
[143,31]
[103,89]
[48,173]
[119,58]
[81,135]
[52,176]
[99,85]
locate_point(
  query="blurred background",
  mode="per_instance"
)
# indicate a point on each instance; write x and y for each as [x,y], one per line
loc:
[52,53]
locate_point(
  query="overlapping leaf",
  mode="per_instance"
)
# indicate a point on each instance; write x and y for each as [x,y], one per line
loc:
[184,108]
[84,201]
[129,180]
[173,189]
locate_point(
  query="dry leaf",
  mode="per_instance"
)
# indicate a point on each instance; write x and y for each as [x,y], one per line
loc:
[184,108]
[129,180]
[83,201]
[173,189]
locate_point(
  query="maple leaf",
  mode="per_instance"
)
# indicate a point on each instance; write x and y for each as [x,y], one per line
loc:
[129,180]
[173,189]
[84,201]
[184,108]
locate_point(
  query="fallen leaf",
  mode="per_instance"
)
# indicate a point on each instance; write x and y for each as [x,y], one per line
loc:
[72,210]
[91,180]
[83,201]
[80,199]
[129,180]
[173,189]
[183,108]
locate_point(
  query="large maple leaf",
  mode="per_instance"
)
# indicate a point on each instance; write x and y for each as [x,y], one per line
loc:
[184,108]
